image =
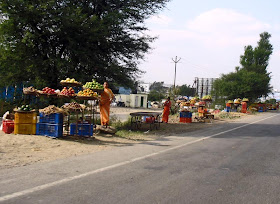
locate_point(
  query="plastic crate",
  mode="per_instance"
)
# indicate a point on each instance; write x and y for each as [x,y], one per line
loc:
[8,126]
[41,129]
[84,129]
[55,118]
[185,120]
[185,114]
[25,118]
[25,129]
[54,130]
[150,119]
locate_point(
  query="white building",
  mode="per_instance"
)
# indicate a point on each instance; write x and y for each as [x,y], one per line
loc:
[133,100]
[203,86]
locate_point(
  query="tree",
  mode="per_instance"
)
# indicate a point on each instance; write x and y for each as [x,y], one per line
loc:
[157,91]
[46,41]
[251,80]
[186,90]
[256,60]
[242,84]
[158,86]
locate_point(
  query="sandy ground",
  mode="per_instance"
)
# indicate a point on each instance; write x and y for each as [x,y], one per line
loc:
[21,150]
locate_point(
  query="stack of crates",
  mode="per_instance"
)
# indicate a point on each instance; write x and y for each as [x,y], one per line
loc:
[81,129]
[50,125]
[25,123]
[185,117]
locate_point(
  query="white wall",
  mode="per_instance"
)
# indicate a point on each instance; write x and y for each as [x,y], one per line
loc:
[133,100]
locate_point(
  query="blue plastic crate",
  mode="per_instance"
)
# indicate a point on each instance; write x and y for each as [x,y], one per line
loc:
[41,128]
[54,130]
[55,118]
[84,129]
[185,114]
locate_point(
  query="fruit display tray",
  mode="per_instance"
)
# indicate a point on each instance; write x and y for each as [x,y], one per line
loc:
[95,90]
[30,93]
[21,111]
[87,97]
[65,96]
[70,84]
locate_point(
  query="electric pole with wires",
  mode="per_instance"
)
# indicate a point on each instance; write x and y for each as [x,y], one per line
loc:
[176,60]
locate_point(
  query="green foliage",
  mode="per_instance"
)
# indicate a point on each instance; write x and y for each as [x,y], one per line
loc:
[158,86]
[251,80]
[157,91]
[242,84]
[271,101]
[186,90]
[155,96]
[46,41]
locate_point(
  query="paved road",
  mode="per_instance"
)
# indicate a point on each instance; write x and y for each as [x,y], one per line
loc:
[234,163]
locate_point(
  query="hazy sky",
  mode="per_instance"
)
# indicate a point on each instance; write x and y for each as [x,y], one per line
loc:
[209,36]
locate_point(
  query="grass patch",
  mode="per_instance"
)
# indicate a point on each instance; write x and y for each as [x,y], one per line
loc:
[131,135]
[225,115]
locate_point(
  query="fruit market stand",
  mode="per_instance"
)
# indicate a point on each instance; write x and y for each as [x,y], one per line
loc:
[152,118]
[57,121]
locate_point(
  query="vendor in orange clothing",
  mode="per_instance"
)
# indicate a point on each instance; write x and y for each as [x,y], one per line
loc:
[106,98]
[166,110]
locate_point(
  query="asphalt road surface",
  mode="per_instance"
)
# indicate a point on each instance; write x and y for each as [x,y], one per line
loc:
[232,163]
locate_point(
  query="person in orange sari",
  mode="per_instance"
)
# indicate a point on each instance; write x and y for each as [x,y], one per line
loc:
[106,98]
[166,110]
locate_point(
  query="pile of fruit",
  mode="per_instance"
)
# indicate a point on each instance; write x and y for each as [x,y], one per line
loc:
[207,97]
[68,80]
[93,85]
[52,109]
[48,90]
[73,106]
[68,92]
[88,93]
[24,108]
[30,89]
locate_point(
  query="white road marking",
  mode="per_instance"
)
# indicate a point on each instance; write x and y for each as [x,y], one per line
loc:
[55,183]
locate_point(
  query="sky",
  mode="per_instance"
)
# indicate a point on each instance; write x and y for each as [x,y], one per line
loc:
[208,37]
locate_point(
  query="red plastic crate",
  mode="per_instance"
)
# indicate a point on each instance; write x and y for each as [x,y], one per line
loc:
[185,120]
[8,126]
[150,119]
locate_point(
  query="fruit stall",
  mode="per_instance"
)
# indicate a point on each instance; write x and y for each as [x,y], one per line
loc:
[55,121]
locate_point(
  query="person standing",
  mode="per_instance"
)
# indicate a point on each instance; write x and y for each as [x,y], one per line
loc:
[166,110]
[107,97]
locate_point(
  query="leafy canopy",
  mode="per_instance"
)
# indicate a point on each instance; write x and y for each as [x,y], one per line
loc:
[251,80]
[157,91]
[44,41]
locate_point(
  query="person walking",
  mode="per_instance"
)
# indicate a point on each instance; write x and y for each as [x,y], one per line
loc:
[107,97]
[166,110]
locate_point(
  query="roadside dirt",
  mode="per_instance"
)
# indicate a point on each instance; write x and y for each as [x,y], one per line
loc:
[21,150]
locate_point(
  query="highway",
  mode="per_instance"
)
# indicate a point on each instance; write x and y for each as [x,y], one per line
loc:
[236,162]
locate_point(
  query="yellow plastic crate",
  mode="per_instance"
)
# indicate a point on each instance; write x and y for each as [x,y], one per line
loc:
[22,117]
[25,129]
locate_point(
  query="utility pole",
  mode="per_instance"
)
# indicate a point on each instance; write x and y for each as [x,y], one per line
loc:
[176,60]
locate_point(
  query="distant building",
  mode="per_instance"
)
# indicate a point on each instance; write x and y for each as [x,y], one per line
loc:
[125,91]
[145,87]
[203,86]
[133,100]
